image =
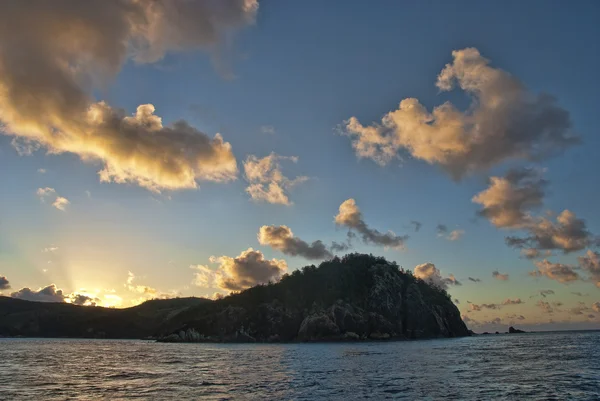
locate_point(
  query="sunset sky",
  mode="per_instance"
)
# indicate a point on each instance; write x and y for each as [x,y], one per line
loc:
[204,147]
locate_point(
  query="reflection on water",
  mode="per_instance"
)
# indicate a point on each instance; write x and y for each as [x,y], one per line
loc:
[556,366]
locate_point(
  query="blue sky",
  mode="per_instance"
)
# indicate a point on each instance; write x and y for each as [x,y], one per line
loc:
[303,69]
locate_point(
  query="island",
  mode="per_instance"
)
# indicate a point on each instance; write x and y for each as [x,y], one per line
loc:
[353,298]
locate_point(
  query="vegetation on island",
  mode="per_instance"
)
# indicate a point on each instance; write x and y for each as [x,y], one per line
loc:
[355,297]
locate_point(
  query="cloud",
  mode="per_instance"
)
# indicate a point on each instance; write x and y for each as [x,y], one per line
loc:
[505,121]
[545,306]
[568,234]
[350,216]
[441,229]
[590,263]
[416,225]
[50,249]
[508,200]
[578,310]
[532,253]
[141,289]
[516,301]
[267,129]
[46,294]
[477,308]
[266,181]
[4,283]
[282,238]
[44,193]
[545,293]
[59,203]
[455,235]
[51,293]
[555,271]
[246,270]
[41,170]
[578,294]
[340,246]
[475,280]
[83,300]
[54,57]
[431,274]
[499,276]
[596,306]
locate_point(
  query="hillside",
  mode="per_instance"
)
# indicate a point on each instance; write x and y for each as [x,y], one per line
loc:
[355,297]
[46,319]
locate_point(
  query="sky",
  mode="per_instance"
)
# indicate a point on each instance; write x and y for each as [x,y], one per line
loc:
[162,149]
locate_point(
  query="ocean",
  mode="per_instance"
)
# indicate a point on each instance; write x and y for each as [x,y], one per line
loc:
[532,366]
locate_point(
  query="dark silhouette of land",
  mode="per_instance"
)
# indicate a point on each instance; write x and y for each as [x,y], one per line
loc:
[357,297]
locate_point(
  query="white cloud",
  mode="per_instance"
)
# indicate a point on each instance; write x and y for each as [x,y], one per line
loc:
[431,274]
[508,200]
[246,270]
[53,55]
[504,122]
[455,235]
[61,203]
[44,193]
[266,181]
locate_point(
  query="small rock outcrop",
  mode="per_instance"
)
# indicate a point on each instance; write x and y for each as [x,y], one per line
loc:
[512,330]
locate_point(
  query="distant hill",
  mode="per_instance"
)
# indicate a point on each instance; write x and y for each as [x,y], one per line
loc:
[350,298]
[47,319]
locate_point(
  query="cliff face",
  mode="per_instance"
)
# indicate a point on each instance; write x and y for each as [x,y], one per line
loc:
[357,297]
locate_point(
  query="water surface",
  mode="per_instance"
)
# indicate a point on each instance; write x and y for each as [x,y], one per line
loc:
[540,366]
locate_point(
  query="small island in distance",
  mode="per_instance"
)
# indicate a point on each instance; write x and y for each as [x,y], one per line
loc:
[356,297]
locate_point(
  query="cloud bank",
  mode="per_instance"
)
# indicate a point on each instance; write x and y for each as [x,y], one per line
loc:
[505,121]
[54,54]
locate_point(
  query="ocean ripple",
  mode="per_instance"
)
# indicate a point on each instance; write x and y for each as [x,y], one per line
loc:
[540,366]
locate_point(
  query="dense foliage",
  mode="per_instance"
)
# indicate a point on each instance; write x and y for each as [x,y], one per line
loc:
[354,297]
